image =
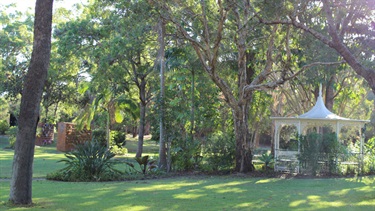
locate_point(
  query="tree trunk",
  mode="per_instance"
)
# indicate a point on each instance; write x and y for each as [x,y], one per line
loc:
[243,151]
[21,183]
[142,121]
[330,93]
[192,109]
[162,145]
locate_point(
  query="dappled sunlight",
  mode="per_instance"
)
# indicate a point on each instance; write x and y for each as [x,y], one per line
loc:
[252,205]
[263,181]
[231,190]
[88,203]
[297,203]
[339,192]
[224,185]
[316,202]
[126,207]
[369,202]
[188,196]
[171,186]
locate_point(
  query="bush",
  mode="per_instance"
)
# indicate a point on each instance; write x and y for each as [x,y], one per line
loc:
[118,138]
[146,164]
[4,126]
[119,150]
[186,154]
[369,159]
[317,149]
[220,152]
[88,162]
[267,159]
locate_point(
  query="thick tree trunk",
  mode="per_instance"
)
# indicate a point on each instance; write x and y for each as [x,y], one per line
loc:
[243,150]
[142,121]
[21,183]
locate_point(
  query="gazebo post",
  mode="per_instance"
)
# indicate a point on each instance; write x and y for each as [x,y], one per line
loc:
[361,135]
[299,143]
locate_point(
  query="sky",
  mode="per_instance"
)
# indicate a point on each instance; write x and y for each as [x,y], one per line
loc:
[23,5]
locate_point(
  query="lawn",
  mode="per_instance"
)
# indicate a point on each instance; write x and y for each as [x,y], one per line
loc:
[203,193]
[231,192]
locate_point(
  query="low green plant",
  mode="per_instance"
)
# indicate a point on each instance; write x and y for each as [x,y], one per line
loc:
[145,163]
[118,138]
[185,154]
[118,150]
[88,162]
[219,152]
[267,159]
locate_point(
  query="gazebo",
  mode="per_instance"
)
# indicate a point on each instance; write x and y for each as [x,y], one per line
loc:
[318,116]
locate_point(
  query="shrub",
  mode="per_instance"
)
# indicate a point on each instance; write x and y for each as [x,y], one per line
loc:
[220,152]
[267,159]
[4,126]
[88,162]
[369,159]
[186,154]
[119,150]
[145,164]
[118,138]
[316,149]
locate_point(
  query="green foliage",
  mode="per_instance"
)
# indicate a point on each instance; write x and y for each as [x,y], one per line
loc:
[145,163]
[369,158]
[267,159]
[4,126]
[220,152]
[118,138]
[88,162]
[118,150]
[186,154]
[99,135]
[320,151]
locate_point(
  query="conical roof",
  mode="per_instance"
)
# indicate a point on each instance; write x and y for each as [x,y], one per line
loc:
[320,111]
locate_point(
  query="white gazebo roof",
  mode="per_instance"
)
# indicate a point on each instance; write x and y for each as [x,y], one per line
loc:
[321,113]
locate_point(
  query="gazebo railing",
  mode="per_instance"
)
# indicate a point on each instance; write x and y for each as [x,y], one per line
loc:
[286,161]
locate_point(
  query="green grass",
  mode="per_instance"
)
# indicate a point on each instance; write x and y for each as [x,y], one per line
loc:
[45,160]
[149,147]
[46,157]
[203,193]
[185,193]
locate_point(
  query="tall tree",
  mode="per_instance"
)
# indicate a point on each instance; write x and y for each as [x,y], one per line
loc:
[161,64]
[224,32]
[21,183]
[348,28]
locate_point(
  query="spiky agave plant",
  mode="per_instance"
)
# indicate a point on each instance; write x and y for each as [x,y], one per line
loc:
[90,161]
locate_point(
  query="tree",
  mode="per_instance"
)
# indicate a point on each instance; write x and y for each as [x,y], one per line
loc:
[21,184]
[161,64]
[238,55]
[348,28]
